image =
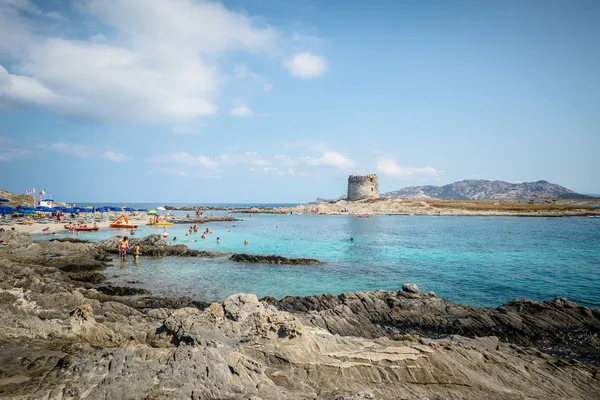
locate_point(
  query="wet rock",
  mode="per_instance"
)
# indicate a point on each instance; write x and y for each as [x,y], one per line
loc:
[170,302]
[83,265]
[91,277]
[410,288]
[69,240]
[121,290]
[258,259]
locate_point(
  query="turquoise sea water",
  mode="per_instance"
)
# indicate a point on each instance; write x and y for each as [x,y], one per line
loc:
[482,261]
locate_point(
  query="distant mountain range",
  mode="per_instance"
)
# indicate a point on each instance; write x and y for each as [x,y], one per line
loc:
[485,190]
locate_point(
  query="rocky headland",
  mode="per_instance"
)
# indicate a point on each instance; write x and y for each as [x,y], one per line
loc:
[63,338]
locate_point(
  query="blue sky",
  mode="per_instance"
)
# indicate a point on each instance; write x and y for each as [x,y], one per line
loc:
[278,101]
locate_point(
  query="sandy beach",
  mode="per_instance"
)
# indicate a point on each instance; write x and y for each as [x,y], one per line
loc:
[55,226]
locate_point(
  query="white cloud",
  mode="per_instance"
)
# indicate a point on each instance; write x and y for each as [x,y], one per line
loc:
[331,159]
[84,151]
[264,169]
[268,87]
[250,157]
[187,159]
[306,65]
[389,167]
[309,144]
[173,172]
[284,159]
[11,153]
[162,63]
[242,111]
[72,149]
[242,71]
[116,157]
[291,172]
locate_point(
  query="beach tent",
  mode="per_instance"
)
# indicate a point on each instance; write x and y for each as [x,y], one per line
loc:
[3,200]
[6,210]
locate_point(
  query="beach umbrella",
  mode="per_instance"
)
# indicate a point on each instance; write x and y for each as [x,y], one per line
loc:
[114,208]
[27,212]
[43,209]
[3,200]
[6,210]
[129,209]
[161,208]
[151,212]
[70,210]
[102,209]
[142,209]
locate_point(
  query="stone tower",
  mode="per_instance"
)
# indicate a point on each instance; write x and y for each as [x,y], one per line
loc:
[363,187]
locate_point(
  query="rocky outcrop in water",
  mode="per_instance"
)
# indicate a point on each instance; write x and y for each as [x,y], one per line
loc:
[258,259]
[154,245]
[62,340]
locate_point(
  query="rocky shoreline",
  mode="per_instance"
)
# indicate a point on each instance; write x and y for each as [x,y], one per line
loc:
[63,338]
[384,206]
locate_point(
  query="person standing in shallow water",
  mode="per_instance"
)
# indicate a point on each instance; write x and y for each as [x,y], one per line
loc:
[136,252]
[123,245]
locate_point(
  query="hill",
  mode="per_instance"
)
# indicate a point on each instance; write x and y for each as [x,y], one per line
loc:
[16,199]
[485,190]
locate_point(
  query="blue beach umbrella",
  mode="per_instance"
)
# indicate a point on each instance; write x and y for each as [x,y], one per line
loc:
[42,209]
[142,209]
[114,208]
[6,210]
[129,209]
[3,200]
[60,208]
[26,212]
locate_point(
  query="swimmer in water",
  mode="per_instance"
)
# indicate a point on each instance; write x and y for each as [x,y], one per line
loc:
[351,240]
[218,240]
[246,242]
[203,236]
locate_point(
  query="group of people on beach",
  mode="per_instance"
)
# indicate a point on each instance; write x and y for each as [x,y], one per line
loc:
[123,246]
